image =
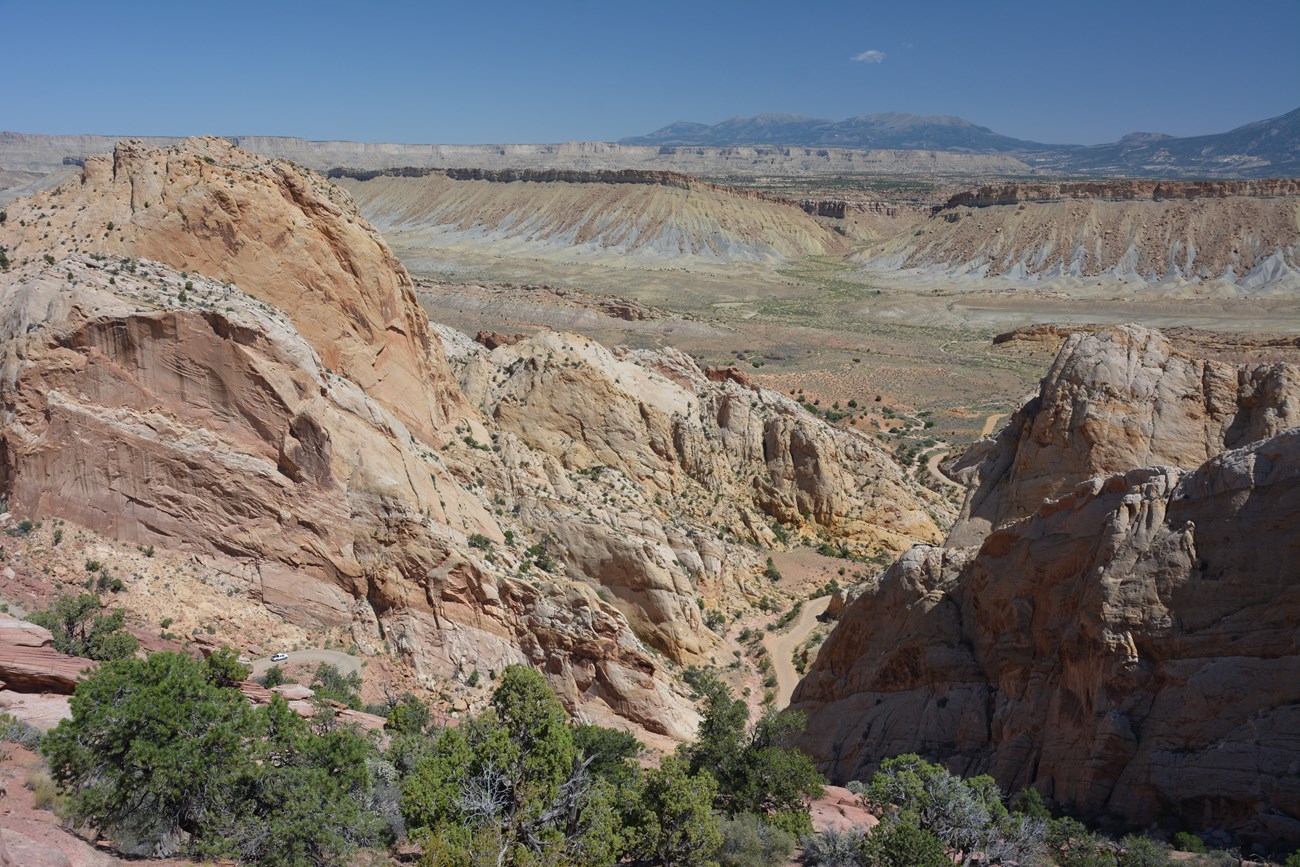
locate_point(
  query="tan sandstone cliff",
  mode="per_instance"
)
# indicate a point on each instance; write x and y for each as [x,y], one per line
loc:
[210,425]
[1129,647]
[243,411]
[280,233]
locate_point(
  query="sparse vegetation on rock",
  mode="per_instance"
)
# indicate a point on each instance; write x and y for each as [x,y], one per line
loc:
[82,626]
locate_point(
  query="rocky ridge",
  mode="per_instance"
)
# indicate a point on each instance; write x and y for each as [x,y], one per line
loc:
[1113,621]
[448,526]
[282,234]
[1121,191]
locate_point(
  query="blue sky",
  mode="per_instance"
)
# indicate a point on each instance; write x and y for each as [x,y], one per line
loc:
[506,71]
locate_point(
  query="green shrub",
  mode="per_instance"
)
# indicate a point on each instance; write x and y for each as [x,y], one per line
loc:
[1071,844]
[898,843]
[748,841]
[408,715]
[15,731]
[332,685]
[833,848]
[967,815]
[160,757]
[507,786]
[274,677]
[79,629]
[1185,842]
[1143,852]
[756,768]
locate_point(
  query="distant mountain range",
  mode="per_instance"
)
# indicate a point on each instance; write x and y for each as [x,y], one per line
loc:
[1264,148]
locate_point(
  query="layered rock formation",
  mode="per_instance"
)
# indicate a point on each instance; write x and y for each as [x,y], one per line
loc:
[29,662]
[1245,232]
[568,514]
[648,216]
[208,424]
[646,459]
[41,153]
[1127,646]
[278,232]
[1123,191]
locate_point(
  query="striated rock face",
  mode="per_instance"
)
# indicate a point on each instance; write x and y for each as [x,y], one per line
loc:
[1129,648]
[637,217]
[211,425]
[575,513]
[29,662]
[1245,233]
[281,234]
[1116,399]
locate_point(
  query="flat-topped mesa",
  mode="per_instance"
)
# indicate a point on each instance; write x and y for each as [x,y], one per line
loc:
[536,176]
[278,232]
[651,216]
[1121,191]
[644,177]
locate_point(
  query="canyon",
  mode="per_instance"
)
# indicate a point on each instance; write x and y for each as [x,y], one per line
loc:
[263,369]
[214,353]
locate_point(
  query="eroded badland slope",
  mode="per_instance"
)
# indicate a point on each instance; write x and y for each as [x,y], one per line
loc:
[645,217]
[1244,232]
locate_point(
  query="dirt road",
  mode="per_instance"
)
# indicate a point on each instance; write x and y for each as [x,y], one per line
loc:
[933,464]
[782,646]
[990,423]
[342,661]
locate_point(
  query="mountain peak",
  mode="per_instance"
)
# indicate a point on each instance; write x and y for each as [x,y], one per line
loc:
[891,130]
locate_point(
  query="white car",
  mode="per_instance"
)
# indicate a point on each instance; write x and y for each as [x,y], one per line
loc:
[280,657]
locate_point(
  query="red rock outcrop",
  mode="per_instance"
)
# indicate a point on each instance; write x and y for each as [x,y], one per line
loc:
[493,339]
[1129,647]
[29,662]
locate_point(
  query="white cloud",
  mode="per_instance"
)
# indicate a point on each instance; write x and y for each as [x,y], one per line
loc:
[870,56]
